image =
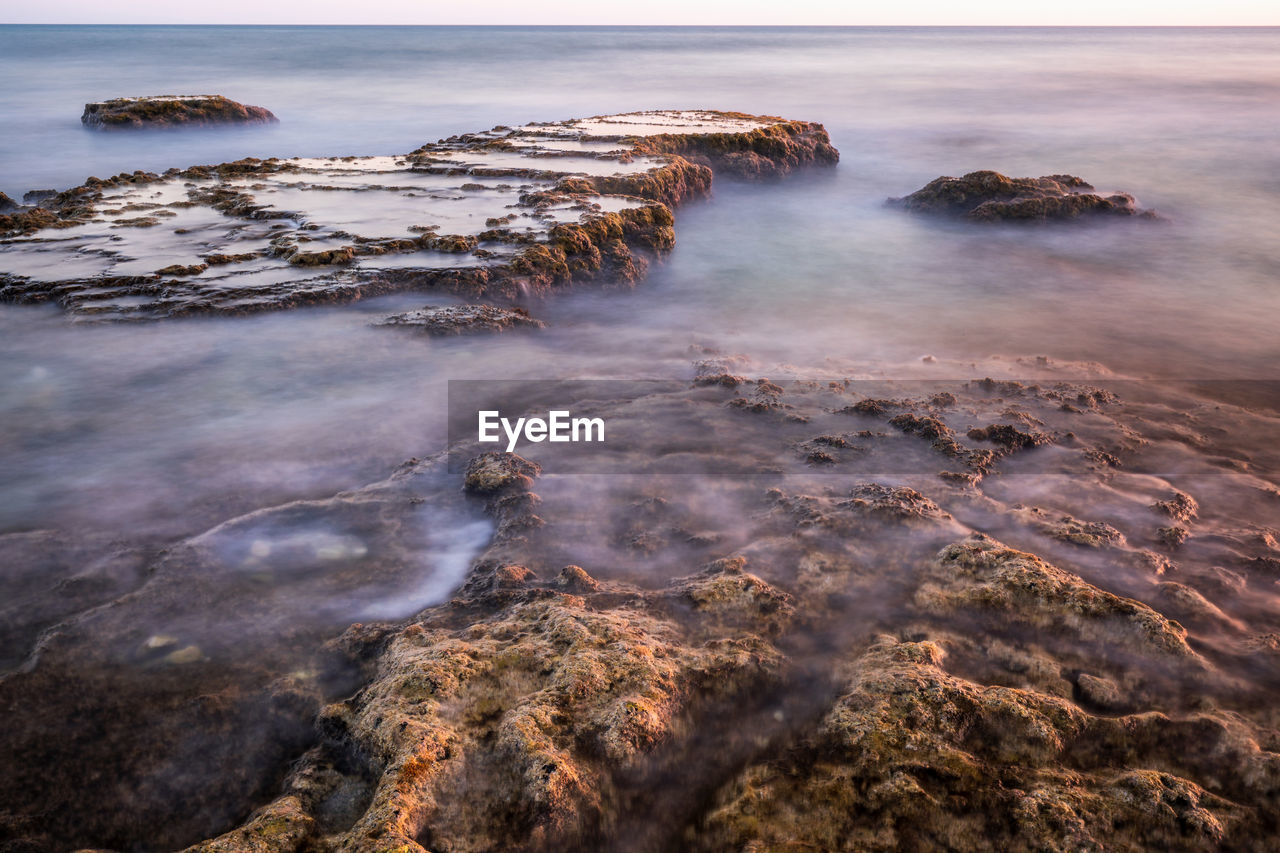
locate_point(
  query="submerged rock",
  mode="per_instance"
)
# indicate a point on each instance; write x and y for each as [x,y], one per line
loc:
[991,197]
[462,320]
[499,214]
[171,111]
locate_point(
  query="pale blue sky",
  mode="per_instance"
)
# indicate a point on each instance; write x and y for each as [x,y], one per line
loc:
[772,12]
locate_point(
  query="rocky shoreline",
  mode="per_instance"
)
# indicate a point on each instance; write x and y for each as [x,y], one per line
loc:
[503,214]
[1028,610]
[807,652]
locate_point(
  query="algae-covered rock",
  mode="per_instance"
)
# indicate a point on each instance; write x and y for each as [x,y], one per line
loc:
[520,709]
[981,574]
[913,757]
[726,593]
[795,659]
[512,212]
[1066,528]
[280,827]
[865,506]
[1009,436]
[1180,507]
[496,471]
[444,321]
[991,197]
[171,111]
[1173,536]
[575,579]
[1102,692]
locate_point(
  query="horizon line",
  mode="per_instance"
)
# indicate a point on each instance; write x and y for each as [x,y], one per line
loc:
[672,26]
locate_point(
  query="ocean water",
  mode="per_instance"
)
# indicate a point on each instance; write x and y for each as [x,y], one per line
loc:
[149,435]
[162,418]
[796,271]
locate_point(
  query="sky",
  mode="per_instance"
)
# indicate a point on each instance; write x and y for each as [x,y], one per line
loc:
[651,12]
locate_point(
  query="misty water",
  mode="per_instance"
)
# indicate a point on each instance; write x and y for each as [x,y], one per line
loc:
[120,442]
[137,426]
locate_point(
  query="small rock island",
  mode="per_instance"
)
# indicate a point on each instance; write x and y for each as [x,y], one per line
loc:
[171,111]
[988,196]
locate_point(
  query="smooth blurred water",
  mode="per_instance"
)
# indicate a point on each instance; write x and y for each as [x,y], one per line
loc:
[162,427]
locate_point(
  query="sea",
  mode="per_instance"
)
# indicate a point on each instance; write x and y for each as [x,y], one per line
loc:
[203,485]
[143,427]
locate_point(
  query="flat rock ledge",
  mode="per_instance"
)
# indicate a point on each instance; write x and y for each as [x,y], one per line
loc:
[448,320]
[501,215]
[992,197]
[171,111]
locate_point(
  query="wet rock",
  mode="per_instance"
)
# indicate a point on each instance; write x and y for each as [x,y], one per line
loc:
[766,397]
[1065,528]
[7,204]
[862,674]
[873,407]
[1225,581]
[575,579]
[981,574]
[179,269]
[524,709]
[991,197]
[760,152]
[450,320]
[724,591]
[1173,536]
[497,471]
[280,827]
[1190,605]
[961,478]
[1102,692]
[1009,436]
[941,435]
[1181,507]
[908,758]
[925,427]
[171,111]
[321,257]
[552,204]
[899,503]
[866,503]
[720,372]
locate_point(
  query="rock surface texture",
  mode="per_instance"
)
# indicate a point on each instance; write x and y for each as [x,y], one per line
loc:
[171,111]
[798,657]
[991,197]
[501,214]
[462,320]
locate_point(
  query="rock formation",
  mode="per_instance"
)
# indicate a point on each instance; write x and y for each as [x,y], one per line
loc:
[446,320]
[991,197]
[836,657]
[501,214]
[171,111]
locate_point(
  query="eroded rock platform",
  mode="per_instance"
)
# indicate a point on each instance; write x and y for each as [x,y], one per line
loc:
[503,214]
